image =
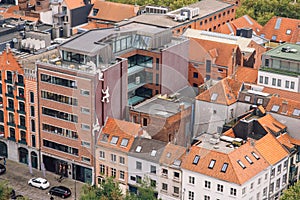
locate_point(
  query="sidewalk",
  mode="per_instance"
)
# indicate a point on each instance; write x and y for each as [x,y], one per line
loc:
[18,175]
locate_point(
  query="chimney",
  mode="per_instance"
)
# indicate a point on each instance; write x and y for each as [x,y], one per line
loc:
[7,47]
[243,129]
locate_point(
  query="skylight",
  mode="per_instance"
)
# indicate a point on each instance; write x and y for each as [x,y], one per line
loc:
[168,154]
[196,160]
[138,149]
[255,155]
[249,160]
[105,137]
[224,167]
[296,112]
[211,164]
[275,108]
[114,140]
[153,153]
[177,162]
[288,32]
[247,98]
[241,164]
[214,97]
[124,142]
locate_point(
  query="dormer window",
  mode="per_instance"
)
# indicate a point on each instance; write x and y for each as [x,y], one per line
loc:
[124,142]
[153,153]
[114,140]
[288,32]
[95,11]
[105,137]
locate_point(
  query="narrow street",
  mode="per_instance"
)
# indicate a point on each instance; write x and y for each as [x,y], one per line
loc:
[18,174]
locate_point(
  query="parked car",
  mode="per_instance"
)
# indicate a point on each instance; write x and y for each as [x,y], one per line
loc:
[2,169]
[60,191]
[39,183]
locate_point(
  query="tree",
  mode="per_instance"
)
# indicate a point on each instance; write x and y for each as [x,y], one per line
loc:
[263,10]
[109,190]
[5,190]
[292,193]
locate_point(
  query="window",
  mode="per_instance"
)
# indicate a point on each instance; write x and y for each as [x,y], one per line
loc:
[59,114]
[271,187]
[249,160]
[122,175]
[22,121]
[85,92]
[191,180]
[278,183]
[207,184]
[233,191]
[267,62]
[31,95]
[206,197]
[122,160]
[85,127]
[287,84]
[85,110]
[105,137]
[224,167]
[60,147]
[153,169]
[95,11]
[196,160]
[195,75]
[208,66]
[259,181]
[261,79]
[138,165]
[164,172]
[285,164]
[12,133]
[113,157]
[247,98]
[138,149]
[252,185]
[266,176]
[244,190]
[191,195]
[211,164]
[153,153]
[260,101]
[31,111]
[153,183]
[266,80]
[23,135]
[113,172]
[102,169]
[176,175]
[273,172]
[32,125]
[255,155]
[288,31]
[292,85]
[258,195]
[279,82]
[265,190]
[274,37]
[85,159]
[145,122]
[284,179]
[58,81]
[138,179]
[114,140]
[274,81]
[124,142]
[220,188]
[279,169]
[241,164]
[176,190]
[102,155]
[164,187]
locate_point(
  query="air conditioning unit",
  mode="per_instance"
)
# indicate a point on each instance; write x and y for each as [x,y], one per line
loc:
[137,80]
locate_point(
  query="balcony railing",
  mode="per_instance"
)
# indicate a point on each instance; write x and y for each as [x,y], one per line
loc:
[9,95]
[21,112]
[11,124]
[11,139]
[10,109]
[23,142]
[22,127]
[20,84]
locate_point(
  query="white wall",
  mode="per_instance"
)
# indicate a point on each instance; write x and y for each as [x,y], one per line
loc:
[171,182]
[46,17]
[278,76]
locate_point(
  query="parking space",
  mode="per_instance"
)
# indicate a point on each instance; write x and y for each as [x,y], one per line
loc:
[18,175]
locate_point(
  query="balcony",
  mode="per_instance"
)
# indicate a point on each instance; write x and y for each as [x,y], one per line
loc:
[22,142]
[21,97]
[22,127]
[11,139]
[10,109]
[8,81]
[11,124]
[9,95]
[21,112]
[135,85]
[20,84]
[135,69]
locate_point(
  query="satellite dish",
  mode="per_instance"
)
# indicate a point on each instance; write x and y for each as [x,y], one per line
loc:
[15,40]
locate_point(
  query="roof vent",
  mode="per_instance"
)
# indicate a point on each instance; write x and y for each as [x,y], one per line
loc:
[216,147]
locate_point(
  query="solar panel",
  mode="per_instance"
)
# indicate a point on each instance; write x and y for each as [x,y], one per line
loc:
[278,22]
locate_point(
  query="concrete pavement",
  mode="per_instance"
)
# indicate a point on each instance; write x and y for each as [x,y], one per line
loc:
[18,174]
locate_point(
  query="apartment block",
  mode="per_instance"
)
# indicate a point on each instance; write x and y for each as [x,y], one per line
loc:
[280,68]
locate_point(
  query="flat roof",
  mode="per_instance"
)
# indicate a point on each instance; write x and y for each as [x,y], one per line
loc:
[277,53]
[206,7]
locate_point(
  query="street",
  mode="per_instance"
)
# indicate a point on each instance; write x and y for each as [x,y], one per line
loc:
[18,174]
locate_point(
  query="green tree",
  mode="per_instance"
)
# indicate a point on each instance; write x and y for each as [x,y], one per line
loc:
[293,193]
[109,190]
[263,10]
[5,190]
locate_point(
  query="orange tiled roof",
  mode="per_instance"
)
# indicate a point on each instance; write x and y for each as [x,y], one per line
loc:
[11,15]
[226,92]
[285,140]
[111,11]
[241,22]
[279,26]
[222,52]
[8,61]
[171,153]
[246,74]
[267,145]
[269,123]
[234,173]
[72,4]
[282,93]
[286,106]
[121,129]
[94,25]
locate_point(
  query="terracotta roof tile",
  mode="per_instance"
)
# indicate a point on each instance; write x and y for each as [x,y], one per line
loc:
[285,140]
[12,15]
[246,74]
[222,51]
[266,147]
[241,22]
[284,106]
[115,12]
[285,29]
[234,173]
[171,153]
[269,123]
[282,93]
[224,92]
[72,4]
[94,25]
[119,130]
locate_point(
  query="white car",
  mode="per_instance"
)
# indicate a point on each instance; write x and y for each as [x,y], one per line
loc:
[39,183]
